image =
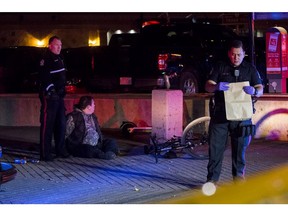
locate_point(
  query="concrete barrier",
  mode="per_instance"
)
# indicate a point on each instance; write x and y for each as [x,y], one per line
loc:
[271,117]
[167,117]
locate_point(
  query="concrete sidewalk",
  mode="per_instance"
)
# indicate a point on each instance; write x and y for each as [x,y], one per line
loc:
[134,177]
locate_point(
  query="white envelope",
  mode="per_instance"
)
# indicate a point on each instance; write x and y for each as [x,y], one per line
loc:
[238,104]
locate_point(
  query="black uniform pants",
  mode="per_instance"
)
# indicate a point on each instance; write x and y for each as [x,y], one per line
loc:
[98,151]
[53,125]
[218,136]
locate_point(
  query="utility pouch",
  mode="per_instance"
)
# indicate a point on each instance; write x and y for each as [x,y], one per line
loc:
[247,130]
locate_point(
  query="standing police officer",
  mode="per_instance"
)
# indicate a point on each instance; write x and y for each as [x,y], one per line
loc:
[52,80]
[224,73]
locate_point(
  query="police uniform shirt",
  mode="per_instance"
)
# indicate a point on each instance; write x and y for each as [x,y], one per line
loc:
[52,72]
[225,72]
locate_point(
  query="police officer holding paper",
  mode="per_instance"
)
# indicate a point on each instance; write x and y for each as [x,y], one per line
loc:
[52,80]
[235,70]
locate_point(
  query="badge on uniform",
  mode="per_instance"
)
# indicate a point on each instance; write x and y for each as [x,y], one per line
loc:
[42,62]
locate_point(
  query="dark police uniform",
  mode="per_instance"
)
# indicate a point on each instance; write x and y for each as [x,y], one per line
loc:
[52,80]
[220,127]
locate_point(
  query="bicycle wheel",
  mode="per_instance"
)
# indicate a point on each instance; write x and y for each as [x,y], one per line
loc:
[195,138]
[125,128]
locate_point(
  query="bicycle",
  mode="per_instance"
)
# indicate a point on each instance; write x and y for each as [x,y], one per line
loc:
[194,140]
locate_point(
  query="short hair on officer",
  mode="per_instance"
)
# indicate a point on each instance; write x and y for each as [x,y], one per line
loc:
[53,38]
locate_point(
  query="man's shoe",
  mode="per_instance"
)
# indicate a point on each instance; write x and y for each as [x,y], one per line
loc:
[213,181]
[110,155]
[48,158]
[99,154]
[239,179]
[63,155]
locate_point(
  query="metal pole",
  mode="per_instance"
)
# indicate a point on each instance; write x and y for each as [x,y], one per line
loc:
[251,38]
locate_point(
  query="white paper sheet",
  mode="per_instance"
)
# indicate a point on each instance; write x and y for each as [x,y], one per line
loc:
[238,104]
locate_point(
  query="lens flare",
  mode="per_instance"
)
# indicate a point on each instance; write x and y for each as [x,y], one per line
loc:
[208,189]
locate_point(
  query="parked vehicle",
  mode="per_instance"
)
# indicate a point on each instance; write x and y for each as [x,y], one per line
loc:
[176,56]
[181,53]
[187,51]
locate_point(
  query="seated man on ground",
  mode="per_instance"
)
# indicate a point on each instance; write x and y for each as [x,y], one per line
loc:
[83,135]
